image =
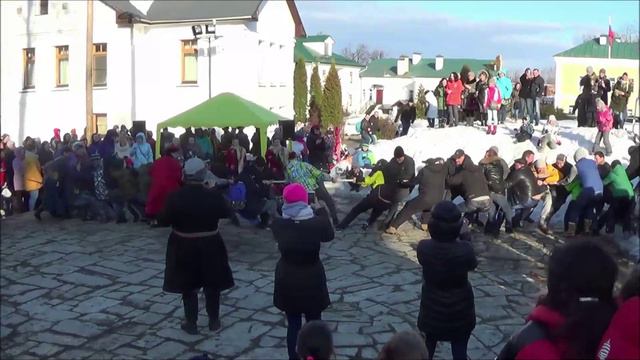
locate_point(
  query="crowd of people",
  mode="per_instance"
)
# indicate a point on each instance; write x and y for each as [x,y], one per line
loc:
[489,100]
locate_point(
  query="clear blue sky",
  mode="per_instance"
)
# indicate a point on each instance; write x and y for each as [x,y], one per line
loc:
[526,33]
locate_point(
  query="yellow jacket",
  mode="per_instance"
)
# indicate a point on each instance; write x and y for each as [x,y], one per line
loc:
[374,180]
[32,172]
[554,175]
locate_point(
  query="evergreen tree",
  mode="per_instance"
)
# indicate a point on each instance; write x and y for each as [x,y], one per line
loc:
[421,102]
[300,91]
[332,99]
[315,90]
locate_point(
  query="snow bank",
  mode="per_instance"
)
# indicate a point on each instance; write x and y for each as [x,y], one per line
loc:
[423,142]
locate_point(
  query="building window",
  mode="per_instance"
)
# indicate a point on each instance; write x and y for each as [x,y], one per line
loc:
[99,64]
[350,77]
[350,100]
[44,7]
[189,61]
[28,68]
[100,121]
[62,66]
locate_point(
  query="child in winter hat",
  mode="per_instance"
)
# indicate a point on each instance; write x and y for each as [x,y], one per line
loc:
[295,193]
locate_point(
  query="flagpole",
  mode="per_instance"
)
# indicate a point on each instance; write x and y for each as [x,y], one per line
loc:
[610,41]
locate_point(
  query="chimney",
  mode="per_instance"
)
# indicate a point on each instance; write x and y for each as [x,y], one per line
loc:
[498,63]
[439,62]
[403,65]
[603,40]
[415,58]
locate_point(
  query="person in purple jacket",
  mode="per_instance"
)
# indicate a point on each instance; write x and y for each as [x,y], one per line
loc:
[592,187]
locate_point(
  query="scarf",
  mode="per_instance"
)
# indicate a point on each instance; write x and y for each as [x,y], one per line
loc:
[297,211]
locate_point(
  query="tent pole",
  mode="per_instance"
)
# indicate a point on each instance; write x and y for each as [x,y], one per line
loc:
[158,142]
[263,141]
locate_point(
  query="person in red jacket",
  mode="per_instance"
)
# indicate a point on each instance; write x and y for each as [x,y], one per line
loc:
[454,98]
[569,321]
[166,177]
[622,338]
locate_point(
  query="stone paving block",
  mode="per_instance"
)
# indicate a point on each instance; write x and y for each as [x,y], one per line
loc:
[105,271]
[139,276]
[101,319]
[45,350]
[53,314]
[19,349]
[80,260]
[95,304]
[179,335]
[52,338]
[12,319]
[119,265]
[28,296]
[40,281]
[256,302]
[131,329]
[77,354]
[265,352]
[128,352]
[110,342]
[133,288]
[16,289]
[86,280]
[46,258]
[78,328]
[382,338]
[348,352]
[167,350]
[269,341]
[5,331]
[351,340]
[162,308]
[34,325]
[149,318]
[119,309]
[148,342]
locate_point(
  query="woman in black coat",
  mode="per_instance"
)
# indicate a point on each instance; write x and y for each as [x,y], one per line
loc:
[196,255]
[300,285]
[447,310]
[317,147]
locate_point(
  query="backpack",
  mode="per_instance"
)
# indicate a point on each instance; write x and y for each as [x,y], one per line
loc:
[238,195]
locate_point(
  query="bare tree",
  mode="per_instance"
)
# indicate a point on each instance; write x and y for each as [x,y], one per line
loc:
[629,33]
[376,54]
[360,54]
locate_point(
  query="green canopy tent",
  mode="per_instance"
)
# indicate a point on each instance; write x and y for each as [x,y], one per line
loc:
[224,110]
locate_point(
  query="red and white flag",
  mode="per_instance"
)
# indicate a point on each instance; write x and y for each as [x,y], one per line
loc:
[611,35]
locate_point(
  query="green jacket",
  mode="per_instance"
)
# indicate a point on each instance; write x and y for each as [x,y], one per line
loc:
[619,102]
[574,188]
[619,183]
[440,95]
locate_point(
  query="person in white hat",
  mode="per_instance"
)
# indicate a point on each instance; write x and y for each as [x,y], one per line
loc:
[196,254]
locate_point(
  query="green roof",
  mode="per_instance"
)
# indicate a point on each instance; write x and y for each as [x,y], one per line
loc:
[593,49]
[314,38]
[311,56]
[425,68]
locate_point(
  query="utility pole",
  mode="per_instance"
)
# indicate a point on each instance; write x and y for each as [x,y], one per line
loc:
[90,122]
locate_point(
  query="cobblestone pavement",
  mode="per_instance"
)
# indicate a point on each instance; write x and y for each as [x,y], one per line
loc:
[86,290]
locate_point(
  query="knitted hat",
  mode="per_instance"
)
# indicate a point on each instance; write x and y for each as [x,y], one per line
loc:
[195,169]
[295,193]
[445,222]
[494,149]
[540,163]
[398,152]
[580,153]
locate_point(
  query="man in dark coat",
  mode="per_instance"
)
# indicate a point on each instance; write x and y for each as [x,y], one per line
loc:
[604,86]
[257,202]
[243,139]
[226,139]
[447,310]
[196,254]
[523,191]
[300,283]
[525,91]
[399,172]
[537,90]
[474,190]
[432,189]
[454,166]
[407,117]
[633,169]
[495,171]
[317,147]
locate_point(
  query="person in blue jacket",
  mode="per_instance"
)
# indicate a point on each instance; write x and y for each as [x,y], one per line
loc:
[503,82]
[592,187]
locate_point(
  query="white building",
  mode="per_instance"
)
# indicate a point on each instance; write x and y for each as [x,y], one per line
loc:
[318,50]
[386,81]
[147,65]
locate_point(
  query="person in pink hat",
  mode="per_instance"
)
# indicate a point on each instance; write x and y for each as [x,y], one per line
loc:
[300,285]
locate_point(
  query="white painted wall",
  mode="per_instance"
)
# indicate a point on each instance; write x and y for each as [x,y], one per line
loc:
[237,66]
[395,88]
[349,83]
